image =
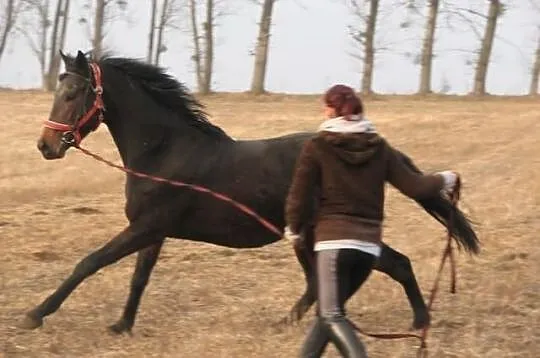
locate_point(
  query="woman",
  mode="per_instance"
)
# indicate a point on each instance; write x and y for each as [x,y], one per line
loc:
[347,164]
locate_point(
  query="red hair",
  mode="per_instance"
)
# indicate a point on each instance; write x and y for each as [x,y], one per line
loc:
[343,100]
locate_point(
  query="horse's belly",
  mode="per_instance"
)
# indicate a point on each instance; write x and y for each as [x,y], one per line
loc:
[234,232]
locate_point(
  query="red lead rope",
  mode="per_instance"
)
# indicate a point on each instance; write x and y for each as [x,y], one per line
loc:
[448,251]
[245,209]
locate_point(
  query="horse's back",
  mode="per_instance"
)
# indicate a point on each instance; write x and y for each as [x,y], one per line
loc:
[255,173]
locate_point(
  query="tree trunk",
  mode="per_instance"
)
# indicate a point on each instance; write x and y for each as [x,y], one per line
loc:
[151,33]
[99,21]
[44,21]
[426,61]
[261,49]
[8,25]
[64,27]
[209,47]
[58,35]
[56,60]
[197,48]
[54,33]
[485,49]
[161,27]
[369,48]
[535,73]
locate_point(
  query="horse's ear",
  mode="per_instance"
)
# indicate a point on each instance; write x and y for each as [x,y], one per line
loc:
[81,62]
[89,55]
[65,57]
[68,60]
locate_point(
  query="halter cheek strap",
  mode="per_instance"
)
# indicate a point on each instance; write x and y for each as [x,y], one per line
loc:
[72,133]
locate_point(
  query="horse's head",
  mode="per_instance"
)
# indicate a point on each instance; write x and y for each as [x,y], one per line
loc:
[77,108]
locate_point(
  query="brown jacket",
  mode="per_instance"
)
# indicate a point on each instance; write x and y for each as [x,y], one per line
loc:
[348,173]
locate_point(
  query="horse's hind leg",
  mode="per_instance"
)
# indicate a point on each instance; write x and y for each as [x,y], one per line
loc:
[125,243]
[306,259]
[146,260]
[398,266]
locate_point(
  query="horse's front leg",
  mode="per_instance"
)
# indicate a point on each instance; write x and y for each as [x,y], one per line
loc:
[306,258]
[398,266]
[146,260]
[130,240]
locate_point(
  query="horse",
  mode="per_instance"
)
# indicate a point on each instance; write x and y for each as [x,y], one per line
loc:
[159,128]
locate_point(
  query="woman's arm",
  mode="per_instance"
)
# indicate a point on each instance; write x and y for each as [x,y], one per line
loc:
[415,184]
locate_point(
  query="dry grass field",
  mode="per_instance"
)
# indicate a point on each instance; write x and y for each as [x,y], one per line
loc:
[198,302]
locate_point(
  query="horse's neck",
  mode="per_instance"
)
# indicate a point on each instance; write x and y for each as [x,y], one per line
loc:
[139,125]
[137,137]
[133,139]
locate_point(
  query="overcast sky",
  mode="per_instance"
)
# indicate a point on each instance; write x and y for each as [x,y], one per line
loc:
[310,48]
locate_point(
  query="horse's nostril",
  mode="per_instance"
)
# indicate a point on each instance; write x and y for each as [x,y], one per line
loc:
[41,145]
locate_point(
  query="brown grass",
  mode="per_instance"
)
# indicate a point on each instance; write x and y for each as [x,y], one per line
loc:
[199,304]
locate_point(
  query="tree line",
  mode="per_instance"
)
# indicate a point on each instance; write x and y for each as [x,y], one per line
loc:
[43,23]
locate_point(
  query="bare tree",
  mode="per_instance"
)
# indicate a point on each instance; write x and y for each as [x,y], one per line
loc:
[262,47]
[426,59]
[46,36]
[103,14]
[34,27]
[455,16]
[494,12]
[150,50]
[99,21]
[58,37]
[161,28]
[8,16]
[203,55]
[196,44]
[535,72]
[209,46]
[363,34]
[45,33]
[170,11]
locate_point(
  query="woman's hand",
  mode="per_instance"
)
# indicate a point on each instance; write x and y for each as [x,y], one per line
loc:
[290,236]
[451,182]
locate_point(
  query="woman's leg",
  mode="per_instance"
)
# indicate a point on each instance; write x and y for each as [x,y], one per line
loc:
[352,268]
[316,340]
[340,274]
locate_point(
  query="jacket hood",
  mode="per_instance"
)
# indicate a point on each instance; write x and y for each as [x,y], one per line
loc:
[353,140]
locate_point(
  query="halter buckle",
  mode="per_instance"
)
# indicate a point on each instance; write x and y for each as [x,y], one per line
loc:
[69,138]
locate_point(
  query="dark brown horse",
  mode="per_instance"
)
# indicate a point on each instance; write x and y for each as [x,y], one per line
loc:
[160,129]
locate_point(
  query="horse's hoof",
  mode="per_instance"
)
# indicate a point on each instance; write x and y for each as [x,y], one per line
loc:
[119,328]
[289,320]
[285,321]
[31,321]
[421,321]
[279,326]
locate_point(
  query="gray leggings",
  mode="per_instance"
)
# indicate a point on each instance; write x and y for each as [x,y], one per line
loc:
[340,273]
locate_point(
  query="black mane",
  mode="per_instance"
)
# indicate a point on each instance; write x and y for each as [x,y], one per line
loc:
[165,90]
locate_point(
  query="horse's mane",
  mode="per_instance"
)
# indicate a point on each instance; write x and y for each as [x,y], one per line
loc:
[165,90]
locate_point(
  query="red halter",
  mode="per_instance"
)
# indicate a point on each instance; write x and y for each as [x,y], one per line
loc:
[71,133]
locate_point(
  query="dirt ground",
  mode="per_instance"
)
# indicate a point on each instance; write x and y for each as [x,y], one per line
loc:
[200,303]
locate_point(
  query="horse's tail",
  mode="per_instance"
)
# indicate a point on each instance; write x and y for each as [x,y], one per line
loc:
[447,214]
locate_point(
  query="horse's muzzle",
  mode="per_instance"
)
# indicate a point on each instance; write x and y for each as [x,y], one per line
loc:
[49,153]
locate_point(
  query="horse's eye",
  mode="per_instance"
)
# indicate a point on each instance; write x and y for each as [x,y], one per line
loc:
[71,91]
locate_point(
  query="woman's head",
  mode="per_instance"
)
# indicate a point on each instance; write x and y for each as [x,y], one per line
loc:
[341,101]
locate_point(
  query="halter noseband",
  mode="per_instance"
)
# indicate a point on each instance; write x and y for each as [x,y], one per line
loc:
[71,132]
